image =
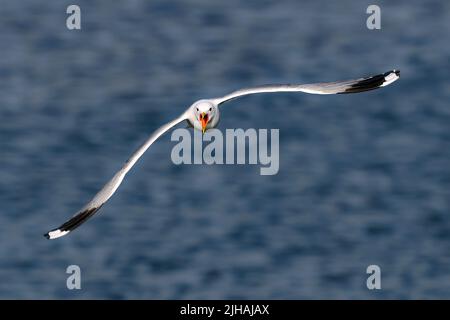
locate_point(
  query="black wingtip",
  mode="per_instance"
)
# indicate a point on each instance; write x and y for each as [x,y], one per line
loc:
[367,84]
[373,82]
[72,224]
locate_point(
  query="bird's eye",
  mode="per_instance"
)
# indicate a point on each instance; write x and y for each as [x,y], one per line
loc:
[210,109]
[197,109]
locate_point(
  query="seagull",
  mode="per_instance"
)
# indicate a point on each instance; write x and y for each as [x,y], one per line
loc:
[203,115]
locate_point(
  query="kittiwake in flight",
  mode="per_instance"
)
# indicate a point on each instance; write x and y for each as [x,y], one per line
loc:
[204,114]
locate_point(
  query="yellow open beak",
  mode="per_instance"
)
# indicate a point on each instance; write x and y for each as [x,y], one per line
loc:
[204,121]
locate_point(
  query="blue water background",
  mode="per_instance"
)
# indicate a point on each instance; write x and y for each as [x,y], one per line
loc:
[364,179]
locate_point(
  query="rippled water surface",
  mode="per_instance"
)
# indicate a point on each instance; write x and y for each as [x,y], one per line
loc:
[364,179]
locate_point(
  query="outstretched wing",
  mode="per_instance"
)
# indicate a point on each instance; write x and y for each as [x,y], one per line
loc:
[109,188]
[338,87]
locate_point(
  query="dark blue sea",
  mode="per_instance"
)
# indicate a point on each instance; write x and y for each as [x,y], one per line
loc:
[364,179]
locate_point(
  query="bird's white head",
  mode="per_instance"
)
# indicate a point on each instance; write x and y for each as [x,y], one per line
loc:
[204,114]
